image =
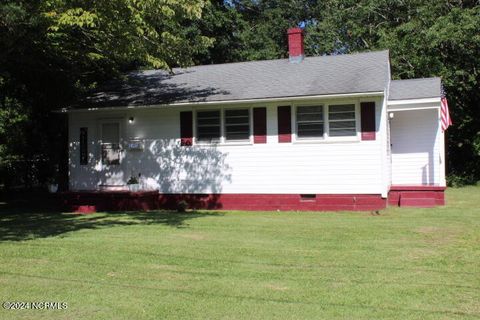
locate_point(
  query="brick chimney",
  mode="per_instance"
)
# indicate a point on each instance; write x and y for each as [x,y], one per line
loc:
[295,45]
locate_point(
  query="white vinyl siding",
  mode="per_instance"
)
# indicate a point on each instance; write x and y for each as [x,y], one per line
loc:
[347,167]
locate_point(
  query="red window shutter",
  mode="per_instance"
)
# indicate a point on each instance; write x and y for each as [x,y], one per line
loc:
[368,120]
[260,125]
[186,128]
[284,124]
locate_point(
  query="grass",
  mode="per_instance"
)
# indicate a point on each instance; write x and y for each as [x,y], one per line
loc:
[402,264]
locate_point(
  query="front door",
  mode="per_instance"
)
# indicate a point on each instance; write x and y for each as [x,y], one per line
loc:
[111,153]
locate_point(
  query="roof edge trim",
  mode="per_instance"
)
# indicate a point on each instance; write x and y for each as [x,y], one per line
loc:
[413,101]
[223,102]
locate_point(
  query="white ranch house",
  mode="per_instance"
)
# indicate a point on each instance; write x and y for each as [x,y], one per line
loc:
[305,133]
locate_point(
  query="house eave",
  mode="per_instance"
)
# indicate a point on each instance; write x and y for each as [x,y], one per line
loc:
[413,101]
[413,104]
[228,102]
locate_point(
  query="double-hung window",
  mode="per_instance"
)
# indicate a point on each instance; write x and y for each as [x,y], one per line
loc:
[235,122]
[208,126]
[325,121]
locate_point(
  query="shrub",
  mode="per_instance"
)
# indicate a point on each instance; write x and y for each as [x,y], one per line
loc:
[456,181]
[182,205]
[132,180]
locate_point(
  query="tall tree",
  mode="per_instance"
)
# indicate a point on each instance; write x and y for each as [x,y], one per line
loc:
[52,51]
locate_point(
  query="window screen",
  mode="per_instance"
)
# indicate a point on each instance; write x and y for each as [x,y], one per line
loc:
[237,124]
[341,120]
[208,126]
[310,122]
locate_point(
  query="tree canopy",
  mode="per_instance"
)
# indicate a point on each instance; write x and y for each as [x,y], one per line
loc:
[52,51]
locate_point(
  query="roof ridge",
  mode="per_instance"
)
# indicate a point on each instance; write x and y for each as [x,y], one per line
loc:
[351,54]
[230,63]
[279,59]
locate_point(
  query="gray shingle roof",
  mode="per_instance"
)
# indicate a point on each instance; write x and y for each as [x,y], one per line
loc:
[414,89]
[350,73]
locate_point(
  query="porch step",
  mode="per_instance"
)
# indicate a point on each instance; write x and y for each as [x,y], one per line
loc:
[417,202]
[417,194]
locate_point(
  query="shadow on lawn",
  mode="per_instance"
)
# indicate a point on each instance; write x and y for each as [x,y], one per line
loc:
[20,222]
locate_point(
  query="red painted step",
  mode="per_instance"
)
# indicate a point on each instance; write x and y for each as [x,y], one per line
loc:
[84,209]
[417,202]
[418,194]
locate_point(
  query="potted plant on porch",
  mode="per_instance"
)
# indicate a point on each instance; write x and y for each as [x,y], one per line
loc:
[52,181]
[133,184]
[52,185]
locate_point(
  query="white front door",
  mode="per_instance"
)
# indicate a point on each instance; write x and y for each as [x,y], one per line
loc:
[111,154]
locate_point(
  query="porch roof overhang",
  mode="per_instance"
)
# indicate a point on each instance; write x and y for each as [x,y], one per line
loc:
[414,94]
[413,104]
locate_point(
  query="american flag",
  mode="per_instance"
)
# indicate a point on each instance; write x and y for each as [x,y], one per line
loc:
[446,120]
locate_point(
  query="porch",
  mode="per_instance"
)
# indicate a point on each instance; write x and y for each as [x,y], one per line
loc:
[416,196]
[417,151]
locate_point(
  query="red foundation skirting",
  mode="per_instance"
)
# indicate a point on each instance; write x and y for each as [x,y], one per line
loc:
[403,196]
[92,201]
[150,200]
[269,202]
[416,196]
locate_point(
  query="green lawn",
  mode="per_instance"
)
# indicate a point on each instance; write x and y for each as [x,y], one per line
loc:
[402,264]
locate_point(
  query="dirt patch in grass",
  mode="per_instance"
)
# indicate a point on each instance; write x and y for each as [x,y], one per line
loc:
[432,239]
[421,253]
[437,236]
